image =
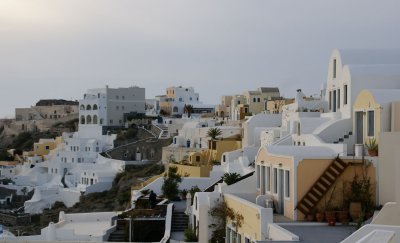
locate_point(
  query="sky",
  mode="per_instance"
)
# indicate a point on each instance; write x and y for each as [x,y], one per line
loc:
[57,49]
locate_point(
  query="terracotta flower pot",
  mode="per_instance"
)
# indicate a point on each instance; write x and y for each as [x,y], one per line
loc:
[330,217]
[319,217]
[373,153]
[343,217]
[355,211]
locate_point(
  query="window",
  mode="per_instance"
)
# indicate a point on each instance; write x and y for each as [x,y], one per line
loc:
[334,68]
[238,102]
[258,176]
[330,100]
[345,95]
[268,180]
[287,183]
[117,108]
[371,123]
[338,98]
[117,97]
[111,121]
[224,158]
[47,147]
[263,180]
[197,158]
[254,99]
[275,180]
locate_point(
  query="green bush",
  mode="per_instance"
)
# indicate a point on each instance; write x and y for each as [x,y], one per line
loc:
[171,183]
[190,234]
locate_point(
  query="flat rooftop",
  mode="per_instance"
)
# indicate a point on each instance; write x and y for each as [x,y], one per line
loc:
[319,233]
[94,228]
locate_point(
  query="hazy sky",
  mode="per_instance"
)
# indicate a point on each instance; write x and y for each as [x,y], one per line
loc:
[58,49]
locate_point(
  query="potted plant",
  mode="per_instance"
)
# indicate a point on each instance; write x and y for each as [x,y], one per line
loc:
[372,147]
[183,193]
[361,198]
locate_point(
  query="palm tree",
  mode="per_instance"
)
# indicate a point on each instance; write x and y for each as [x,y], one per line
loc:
[214,133]
[189,109]
[230,178]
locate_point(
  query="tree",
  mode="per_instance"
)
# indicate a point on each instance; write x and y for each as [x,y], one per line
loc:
[214,133]
[221,213]
[188,109]
[230,178]
[170,188]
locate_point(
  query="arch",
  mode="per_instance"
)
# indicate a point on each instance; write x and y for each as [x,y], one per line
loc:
[95,119]
[82,119]
[82,107]
[222,114]
[101,121]
[88,107]
[94,107]
[88,119]
[175,109]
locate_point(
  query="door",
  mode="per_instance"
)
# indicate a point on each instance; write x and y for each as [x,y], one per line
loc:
[359,127]
[280,192]
[262,180]
[334,101]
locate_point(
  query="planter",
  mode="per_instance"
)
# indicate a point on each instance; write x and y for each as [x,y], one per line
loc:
[343,217]
[310,217]
[372,153]
[330,217]
[319,217]
[355,211]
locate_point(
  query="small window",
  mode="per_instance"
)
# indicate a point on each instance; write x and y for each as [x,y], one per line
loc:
[345,95]
[287,183]
[258,100]
[197,158]
[334,68]
[268,180]
[275,180]
[254,99]
[371,123]
[47,147]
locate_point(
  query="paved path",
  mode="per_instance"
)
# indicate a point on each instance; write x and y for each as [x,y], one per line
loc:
[318,234]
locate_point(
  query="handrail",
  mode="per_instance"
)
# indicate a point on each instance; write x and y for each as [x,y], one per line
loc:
[168,224]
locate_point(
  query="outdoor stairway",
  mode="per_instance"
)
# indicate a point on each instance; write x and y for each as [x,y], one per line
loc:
[179,221]
[118,236]
[164,131]
[321,186]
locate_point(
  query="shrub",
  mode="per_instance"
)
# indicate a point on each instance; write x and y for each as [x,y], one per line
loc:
[171,183]
[190,234]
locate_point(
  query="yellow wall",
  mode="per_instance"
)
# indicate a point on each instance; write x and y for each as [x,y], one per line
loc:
[251,223]
[309,170]
[193,171]
[366,102]
[279,162]
[226,145]
[40,148]
[279,104]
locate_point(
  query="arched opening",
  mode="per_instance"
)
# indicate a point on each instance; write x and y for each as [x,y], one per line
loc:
[175,109]
[82,119]
[95,119]
[101,121]
[94,107]
[222,114]
[82,107]
[88,107]
[88,119]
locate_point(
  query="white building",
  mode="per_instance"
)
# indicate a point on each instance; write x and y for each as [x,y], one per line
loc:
[176,98]
[109,106]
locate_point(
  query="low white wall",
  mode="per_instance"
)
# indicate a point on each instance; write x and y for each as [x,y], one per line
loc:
[99,187]
[277,233]
[359,235]
[69,197]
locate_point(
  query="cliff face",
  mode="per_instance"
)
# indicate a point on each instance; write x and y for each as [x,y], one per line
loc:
[56,102]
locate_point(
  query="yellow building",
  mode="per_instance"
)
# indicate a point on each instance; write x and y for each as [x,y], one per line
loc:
[274,105]
[375,111]
[223,109]
[289,177]
[43,147]
[199,164]
[252,102]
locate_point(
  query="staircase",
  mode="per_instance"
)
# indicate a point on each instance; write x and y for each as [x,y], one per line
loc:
[120,234]
[179,221]
[321,186]
[164,131]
